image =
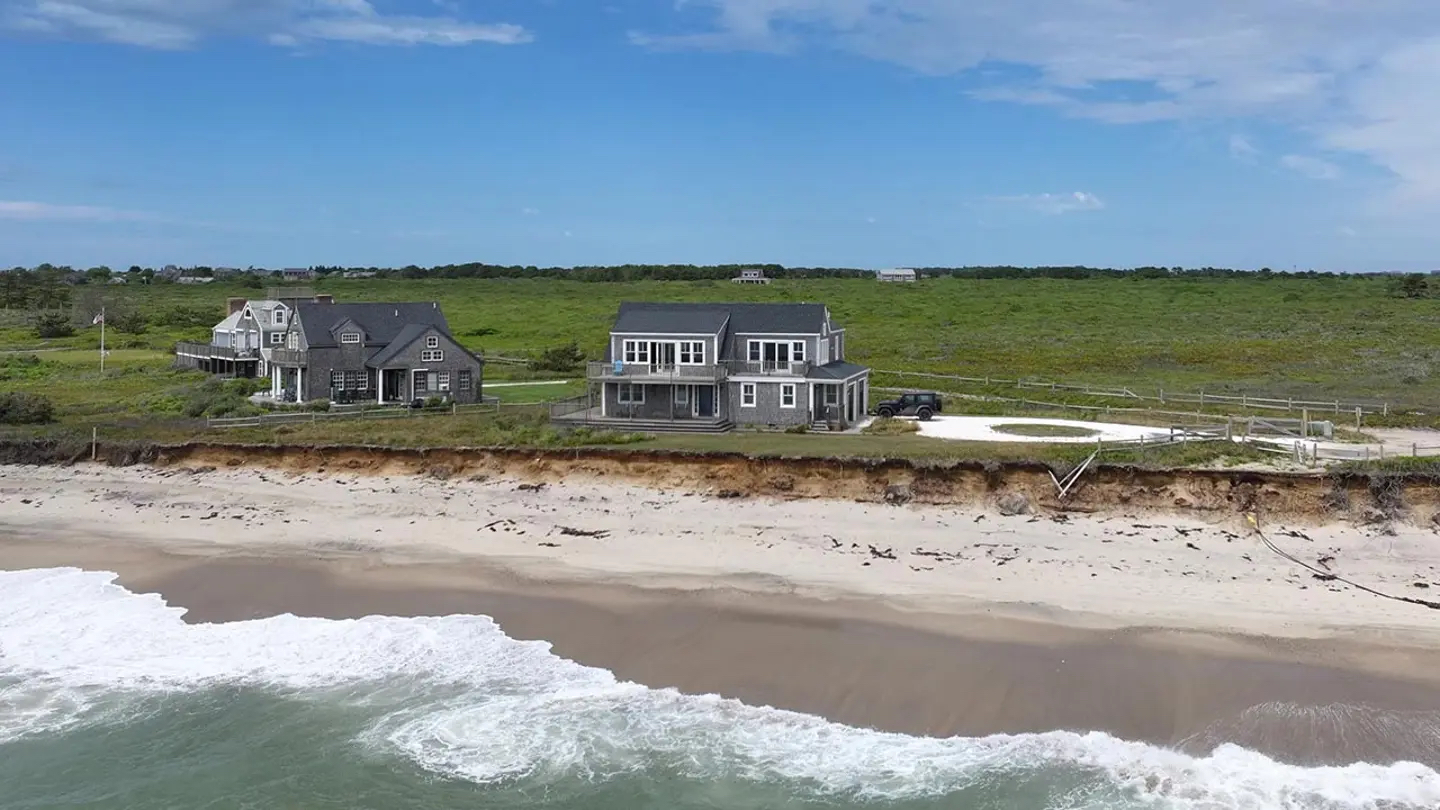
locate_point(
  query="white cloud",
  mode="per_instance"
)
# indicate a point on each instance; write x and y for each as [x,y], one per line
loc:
[1054,203]
[1355,76]
[530,212]
[1241,149]
[177,24]
[30,211]
[1311,167]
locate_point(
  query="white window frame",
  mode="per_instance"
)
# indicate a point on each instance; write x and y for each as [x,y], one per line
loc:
[442,381]
[831,395]
[754,353]
[277,338]
[682,395]
[350,338]
[432,355]
[292,340]
[337,380]
[636,351]
[747,395]
[797,351]
[691,353]
[630,394]
[278,318]
[788,389]
[432,342]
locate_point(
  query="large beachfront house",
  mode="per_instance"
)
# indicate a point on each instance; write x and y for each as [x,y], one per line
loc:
[241,344]
[384,353]
[714,366]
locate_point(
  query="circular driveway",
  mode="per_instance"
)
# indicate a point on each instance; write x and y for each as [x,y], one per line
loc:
[982,429]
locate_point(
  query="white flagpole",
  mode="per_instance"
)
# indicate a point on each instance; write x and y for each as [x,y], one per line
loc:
[102,340]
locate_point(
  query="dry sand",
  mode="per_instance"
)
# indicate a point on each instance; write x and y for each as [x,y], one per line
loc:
[917,619]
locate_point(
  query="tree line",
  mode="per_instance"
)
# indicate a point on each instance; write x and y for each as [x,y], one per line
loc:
[44,286]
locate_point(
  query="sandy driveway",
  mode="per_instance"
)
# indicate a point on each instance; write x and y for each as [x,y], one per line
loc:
[982,429]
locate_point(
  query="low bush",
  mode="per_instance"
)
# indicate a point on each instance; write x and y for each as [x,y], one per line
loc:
[53,325]
[891,427]
[21,367]
[185,317]
[22,408]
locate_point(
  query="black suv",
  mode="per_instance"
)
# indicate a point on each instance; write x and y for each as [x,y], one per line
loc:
[922,405]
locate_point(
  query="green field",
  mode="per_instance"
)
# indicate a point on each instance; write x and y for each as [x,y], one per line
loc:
[1318,338]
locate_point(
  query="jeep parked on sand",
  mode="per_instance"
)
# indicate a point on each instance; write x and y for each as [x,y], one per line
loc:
[921,405]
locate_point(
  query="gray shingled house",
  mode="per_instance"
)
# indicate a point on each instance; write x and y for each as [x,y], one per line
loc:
[384,353]
[714,366]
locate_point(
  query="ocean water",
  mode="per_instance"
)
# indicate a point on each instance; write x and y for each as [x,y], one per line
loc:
[109,700]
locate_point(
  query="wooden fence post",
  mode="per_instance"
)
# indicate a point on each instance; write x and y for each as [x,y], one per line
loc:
[1358,417]
[94,442]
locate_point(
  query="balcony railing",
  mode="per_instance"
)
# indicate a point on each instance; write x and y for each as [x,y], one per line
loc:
[655,372]
[187,348]
[288,357]
[779,368]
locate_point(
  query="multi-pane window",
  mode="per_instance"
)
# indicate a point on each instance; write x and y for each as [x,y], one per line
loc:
[442,380]
[463,381]
[747,395]
[350,337]
[637,351]
[432,342]
[797,351]
[277,338]
[629,394]
[787,396]
[432,356]
[692,352]
[337,379]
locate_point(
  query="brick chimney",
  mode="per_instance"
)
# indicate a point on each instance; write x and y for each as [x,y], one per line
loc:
[234,305]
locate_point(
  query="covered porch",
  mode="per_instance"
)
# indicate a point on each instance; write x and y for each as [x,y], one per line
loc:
[648,407]
[839,395]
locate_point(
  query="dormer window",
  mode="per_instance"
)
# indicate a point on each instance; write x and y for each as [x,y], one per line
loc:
[279,317]
[247,314]
[350,338]
[432,342]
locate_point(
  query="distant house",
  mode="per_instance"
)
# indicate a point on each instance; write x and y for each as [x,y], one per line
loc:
[751,275]
[713,366]
[358,274]
[895,274]
[384,353]
[297,274]
[242,343]
[195,280]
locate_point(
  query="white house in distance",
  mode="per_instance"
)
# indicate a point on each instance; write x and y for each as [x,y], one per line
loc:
[895,274]
[751,275]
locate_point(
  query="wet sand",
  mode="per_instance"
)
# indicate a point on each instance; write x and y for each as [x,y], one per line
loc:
[858,663]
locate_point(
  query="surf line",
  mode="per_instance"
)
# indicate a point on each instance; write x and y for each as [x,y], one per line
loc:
[1329,576]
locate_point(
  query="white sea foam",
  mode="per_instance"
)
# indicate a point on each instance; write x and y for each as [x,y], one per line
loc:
[462,699]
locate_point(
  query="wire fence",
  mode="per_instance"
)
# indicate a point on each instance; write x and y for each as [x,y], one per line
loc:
[1163,397]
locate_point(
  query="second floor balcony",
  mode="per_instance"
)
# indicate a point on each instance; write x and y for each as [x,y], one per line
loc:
[656,372]
[288,357]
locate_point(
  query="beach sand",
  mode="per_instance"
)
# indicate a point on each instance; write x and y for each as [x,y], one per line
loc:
[1173,633]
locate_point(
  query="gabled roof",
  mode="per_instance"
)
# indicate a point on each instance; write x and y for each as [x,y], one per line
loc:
[382,323]
[708,319]
[231,321]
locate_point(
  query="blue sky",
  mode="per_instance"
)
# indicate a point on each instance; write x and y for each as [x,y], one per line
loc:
[861,133]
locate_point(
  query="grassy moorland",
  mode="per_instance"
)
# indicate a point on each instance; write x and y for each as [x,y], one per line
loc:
[1302,337]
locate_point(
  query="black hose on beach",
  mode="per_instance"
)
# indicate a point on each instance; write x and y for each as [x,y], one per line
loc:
[1327,575]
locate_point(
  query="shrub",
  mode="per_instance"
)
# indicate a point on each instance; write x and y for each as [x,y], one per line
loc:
[22,408]
[318,406]
[21,367]
[560,358]
[53,325]
[891,427]
[182,317]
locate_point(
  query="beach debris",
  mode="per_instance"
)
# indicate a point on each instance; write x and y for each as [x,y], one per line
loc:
[566,530]
[1192,546]
[887,554]
[26,501]
[833,542]
[1183,532]
[941,556]
[979,518]
[507,522]
[1420,585]
[1001,560]
[1324,561]
[898,494]
[729,494]
[1299,535]
[211,516]
[550,545]
[531,487]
